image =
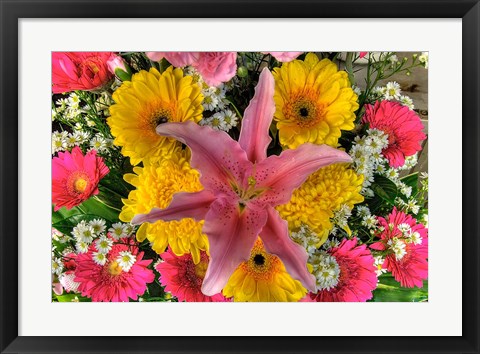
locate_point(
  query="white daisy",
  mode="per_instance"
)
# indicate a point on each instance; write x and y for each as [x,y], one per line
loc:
[82,247]
[325,270]
[392,91]
[126,260]
[118,231]
[378,264]
[398,247]
[99,258]
[103,244]
[59,141]
[423,58]
[406,101]
[98,226]
[57,266]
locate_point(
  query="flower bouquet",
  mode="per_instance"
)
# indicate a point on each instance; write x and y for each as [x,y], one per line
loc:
[225,176]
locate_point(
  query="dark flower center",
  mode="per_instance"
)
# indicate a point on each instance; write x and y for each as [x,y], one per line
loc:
[259,260]
[304,112]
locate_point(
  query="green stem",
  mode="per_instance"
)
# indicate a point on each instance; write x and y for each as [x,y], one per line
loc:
[107,205]
[349,67]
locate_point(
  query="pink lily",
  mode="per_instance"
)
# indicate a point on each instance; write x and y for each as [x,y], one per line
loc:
[241,188]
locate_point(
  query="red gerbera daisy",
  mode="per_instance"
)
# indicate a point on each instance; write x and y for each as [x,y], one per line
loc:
[75,177]
[111,281]
[356,277]
[183,278]
[407,244]
[403,126]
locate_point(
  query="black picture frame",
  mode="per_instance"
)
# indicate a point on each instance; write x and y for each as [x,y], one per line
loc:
[12,10]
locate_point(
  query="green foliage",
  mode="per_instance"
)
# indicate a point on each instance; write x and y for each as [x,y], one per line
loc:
[389,290]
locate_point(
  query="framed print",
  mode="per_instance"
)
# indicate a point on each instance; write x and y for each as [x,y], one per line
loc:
[239,177]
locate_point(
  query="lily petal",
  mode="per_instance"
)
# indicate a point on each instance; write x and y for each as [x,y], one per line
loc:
[254,137]
[183,205]
[218,157]
[231,235]
[281,175]
[277,241]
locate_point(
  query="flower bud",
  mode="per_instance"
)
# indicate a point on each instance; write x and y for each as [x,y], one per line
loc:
[242,71]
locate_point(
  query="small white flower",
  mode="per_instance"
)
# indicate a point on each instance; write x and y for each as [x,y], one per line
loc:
[423,58]
[392,91]
[126,260]
[99,258]
[98,226]
[57,266]
[118,231]
[75,299]
[82,247]
[210,100]
[85,234]
[412,206]
[393,59]
[103,244]
[363,211]
[330,243]
[61,104]
[369,221]
[378,264]
[415,238]
[98,143]
[73,101]
[325,269]
[357,90]
[59,141]
[406,101]
[398,248]
[306,238]
[404,228]
[230,119]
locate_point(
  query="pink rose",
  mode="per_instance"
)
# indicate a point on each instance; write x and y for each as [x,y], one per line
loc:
[79,71]
[177,59]
[216,67]
[284,57]
[116,62]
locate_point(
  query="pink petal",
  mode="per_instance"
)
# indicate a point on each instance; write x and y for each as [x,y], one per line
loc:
[220,159]
[281,175]
[231,235]
[254,138]
[277,241]
[183,205]
[155,56]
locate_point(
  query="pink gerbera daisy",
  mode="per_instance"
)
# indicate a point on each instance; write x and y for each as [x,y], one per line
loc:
[75,177]
[406,243]
[112,281]
[183,278]
[403,126]
[356,274]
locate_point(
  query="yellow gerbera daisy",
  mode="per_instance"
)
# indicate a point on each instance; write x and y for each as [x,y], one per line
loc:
[314,101]
[323,193]
[155,185]
[263,278]
[145,102]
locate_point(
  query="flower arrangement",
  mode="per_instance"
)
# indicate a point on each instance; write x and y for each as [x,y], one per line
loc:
[237,177]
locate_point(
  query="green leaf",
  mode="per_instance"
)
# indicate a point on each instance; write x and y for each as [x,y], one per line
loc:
[70,297]
[385,189]
[64,220]
[389,290]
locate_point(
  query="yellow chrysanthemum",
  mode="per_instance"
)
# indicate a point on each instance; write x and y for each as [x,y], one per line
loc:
[145,102]
[323,193]
[263,278]
[155,185]
[314,101]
